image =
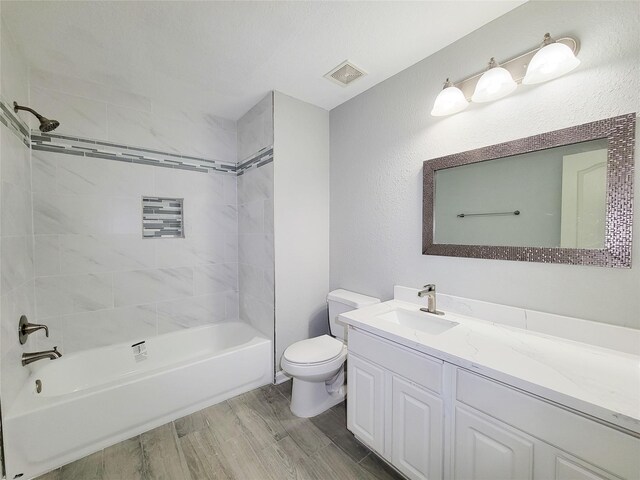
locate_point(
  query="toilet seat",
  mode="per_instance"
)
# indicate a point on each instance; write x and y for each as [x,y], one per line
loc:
[314,351]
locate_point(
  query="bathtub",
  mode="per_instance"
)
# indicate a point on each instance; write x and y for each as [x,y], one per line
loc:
[93,399]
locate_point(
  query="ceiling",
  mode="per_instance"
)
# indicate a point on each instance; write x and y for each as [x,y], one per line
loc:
[222,57]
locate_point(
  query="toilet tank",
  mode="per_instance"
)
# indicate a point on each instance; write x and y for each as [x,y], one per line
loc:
[341,301]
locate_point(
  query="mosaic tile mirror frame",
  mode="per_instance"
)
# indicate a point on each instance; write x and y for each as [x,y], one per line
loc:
[619,133]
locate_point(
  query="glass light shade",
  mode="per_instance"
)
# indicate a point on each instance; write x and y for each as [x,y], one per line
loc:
[551,61]
[449,101]
[495,83]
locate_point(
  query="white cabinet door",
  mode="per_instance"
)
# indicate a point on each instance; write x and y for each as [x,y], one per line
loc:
[554,464]
[365,402]
[417,431]
[488,450]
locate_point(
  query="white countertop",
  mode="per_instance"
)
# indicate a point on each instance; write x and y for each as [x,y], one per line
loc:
[600,382]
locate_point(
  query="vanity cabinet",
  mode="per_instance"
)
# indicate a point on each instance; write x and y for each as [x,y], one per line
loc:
[432,420]
[365,414]
[394,406]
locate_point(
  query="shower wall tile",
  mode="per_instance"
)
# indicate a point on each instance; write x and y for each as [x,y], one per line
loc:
[221,277]
[131,127]
[191,312]
[98,111]
[257,250]
[255,128]
[66,294]
[16,210]
[16,257]
[256,184]
[255,218]
[259,314]
[60,214]
[103,253]
[97,281]
[129,324]
[47,255]
[16,236]
[20,301]
[77,116]
[251,217]
[15,167]
[151,286]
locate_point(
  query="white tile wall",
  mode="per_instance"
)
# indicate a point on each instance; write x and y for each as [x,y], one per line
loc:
[94,269]
[102,112]
[16,236]
[255,221]
[255,128]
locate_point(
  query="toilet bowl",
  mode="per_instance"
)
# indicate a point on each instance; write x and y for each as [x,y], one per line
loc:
[317,364]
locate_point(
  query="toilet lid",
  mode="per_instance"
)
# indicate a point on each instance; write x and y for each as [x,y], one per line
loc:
[314,350]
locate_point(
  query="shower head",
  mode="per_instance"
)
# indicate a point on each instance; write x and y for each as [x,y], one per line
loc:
[46,125]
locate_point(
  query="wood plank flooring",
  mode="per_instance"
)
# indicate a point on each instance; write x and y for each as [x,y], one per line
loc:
[253,436]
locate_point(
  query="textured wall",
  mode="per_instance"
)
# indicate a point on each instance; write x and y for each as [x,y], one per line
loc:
[301,135]
[16,234]
[380,139]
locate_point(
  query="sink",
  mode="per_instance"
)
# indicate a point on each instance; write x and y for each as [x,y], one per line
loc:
[421,321]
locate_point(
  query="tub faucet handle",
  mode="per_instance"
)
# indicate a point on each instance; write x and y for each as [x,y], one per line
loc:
[25,329]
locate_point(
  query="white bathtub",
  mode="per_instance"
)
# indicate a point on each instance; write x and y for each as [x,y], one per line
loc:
[93,399]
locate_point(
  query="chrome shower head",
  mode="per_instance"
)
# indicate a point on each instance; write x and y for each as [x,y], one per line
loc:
[46,125]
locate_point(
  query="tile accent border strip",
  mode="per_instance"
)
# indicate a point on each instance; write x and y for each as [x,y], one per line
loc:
[85,147]
[262,157]
[51,142]
[11,120]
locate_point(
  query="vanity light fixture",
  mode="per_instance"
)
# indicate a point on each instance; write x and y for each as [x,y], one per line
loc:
[553,60]
[449,101]
[550,60]
[495,83]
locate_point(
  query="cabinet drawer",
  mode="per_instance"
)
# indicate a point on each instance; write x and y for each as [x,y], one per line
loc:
[419,368]
[603,446]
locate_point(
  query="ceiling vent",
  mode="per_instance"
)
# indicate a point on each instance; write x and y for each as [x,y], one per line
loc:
[345,73]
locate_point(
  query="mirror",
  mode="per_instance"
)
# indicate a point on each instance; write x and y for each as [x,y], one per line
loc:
[561,197]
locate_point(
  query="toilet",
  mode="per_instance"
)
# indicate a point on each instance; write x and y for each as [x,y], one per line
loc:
[317,364]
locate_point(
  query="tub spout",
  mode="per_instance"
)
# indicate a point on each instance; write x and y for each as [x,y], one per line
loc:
[28,358]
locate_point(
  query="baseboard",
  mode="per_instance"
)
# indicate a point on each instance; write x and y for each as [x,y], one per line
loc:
[281,377]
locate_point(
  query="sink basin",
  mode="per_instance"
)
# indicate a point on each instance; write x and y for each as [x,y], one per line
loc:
[421,321]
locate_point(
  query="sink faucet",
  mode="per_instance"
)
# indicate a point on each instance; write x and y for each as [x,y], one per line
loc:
[430,292]
[28,358]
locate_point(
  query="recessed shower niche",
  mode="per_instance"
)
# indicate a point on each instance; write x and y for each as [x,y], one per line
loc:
[162,217]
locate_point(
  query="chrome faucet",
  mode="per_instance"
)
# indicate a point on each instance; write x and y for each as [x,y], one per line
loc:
[430,292]
[28,358]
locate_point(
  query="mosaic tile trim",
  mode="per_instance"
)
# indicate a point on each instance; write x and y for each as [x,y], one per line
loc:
[51,142]
[261,158]
[162,217]
[620,133]
[11,120]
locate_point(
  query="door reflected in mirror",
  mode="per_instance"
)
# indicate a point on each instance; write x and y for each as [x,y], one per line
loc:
[547,198]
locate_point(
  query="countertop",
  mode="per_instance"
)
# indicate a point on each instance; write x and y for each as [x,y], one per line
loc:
[600,382]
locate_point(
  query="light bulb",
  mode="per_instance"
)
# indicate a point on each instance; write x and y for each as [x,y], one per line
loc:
[449,101]
[552,61]
[495,83]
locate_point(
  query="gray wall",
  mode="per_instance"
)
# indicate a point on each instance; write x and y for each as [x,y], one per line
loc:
[380,139]
[301,220]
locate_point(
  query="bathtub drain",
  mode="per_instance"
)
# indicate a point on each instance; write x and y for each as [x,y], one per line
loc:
[38,386]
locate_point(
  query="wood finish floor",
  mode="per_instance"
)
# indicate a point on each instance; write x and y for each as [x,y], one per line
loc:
[253,436]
